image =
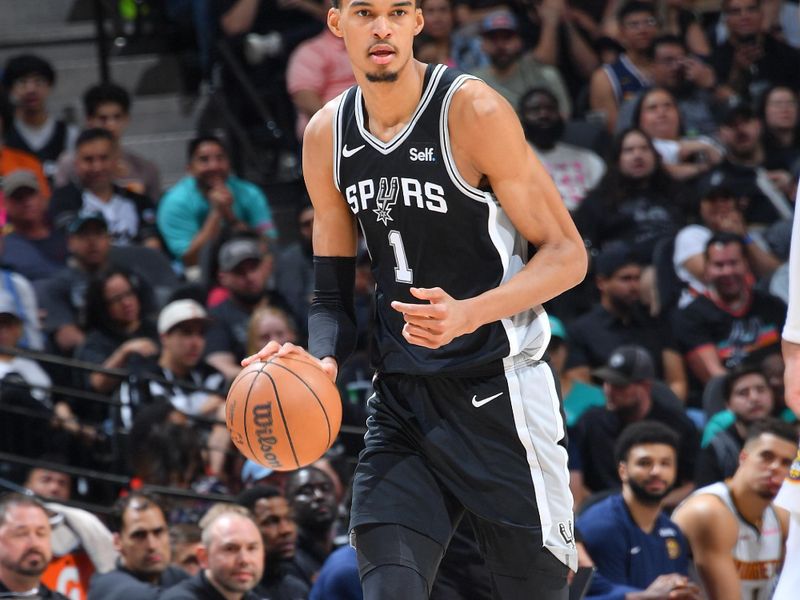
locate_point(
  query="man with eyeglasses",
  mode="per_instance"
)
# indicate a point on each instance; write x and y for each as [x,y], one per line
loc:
[142,539]
[751,59]
[613,84]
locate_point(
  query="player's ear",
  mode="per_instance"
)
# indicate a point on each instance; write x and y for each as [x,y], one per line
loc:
[420,20]
[334,15]
[622,471]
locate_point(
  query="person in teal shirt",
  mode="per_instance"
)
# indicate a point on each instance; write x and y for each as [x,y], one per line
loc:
[194,211]
[578,396]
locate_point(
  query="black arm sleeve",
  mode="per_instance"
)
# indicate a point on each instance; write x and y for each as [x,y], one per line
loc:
[332,319]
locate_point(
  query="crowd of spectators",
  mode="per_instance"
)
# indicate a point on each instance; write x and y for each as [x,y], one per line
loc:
[671,129]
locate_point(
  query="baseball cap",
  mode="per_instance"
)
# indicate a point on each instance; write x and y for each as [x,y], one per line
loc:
[253,472]
[8,306]
[234,252]
[84,217]
[501,20]
[613,258]
[19,179]
[180,311]
[626,365]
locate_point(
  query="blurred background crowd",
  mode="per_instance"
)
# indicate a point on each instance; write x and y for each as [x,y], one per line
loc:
[155,230]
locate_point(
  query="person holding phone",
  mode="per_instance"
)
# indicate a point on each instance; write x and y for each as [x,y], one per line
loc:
[750,59]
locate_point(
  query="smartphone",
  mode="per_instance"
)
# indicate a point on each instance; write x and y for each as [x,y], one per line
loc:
[581,582]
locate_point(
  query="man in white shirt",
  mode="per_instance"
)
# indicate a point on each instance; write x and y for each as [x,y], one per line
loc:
[574,170]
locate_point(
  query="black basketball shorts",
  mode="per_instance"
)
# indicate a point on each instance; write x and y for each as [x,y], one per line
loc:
[492,445]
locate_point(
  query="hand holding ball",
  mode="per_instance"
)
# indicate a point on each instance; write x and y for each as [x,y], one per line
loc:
[283,413]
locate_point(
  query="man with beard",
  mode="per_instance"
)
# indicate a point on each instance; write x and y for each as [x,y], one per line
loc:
[274,518]
[620,318]
[628,386]
[748,398]
[744,169]
[638,551]
[513,71]
[209,199]
[735,531]
[732,321]
[231,556]
[574,170]
[24,548]
[310,493]
[141,537]
[245,267]
[687,78]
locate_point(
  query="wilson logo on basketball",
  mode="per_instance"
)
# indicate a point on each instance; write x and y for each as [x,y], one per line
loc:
[284,413]
[262,418]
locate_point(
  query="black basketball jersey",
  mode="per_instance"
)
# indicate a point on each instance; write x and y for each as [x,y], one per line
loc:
[425,226]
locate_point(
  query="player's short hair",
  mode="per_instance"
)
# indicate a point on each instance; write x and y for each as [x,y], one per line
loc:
[249,497]
[644,432]
[184,533]
[11,499]
[105,93]
[723,238]
[635,6]
[535,91]
[203,138]
[780,429]
[666,39]
[23,65]
[338,3]
[218,511]
[735,374]
[92,134]
[134,501]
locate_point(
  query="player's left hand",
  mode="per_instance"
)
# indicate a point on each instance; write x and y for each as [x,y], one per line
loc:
[436,323]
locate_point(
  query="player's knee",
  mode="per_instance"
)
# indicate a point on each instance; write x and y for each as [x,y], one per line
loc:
[394,582]
[393,558]
[544,577]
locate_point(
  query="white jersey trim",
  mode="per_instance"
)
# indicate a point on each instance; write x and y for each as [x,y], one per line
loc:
[386,148]
[337,140]
[540,427]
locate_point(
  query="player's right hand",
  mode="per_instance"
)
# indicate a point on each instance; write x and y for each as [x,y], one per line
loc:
[274,349]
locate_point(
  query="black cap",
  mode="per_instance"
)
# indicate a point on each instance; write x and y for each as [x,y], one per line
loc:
[612,258]
[84,217]
[626,365]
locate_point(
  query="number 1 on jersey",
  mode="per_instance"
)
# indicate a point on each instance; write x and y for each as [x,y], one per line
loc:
[402,273]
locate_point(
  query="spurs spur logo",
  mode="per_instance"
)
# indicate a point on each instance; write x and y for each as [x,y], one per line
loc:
[386,199]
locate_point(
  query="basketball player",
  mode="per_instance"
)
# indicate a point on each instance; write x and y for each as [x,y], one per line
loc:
[434,168]
[789,496]
[735,531]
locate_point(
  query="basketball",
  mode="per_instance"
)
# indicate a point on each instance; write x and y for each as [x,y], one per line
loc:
[283,413]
